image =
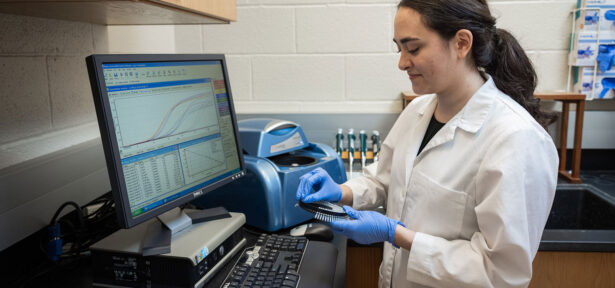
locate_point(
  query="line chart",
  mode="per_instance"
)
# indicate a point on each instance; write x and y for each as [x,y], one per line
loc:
[203,159]
[146,118]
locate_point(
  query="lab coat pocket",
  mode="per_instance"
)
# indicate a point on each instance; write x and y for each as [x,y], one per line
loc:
[434,209]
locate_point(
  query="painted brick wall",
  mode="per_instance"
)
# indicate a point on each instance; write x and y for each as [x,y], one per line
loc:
[45,107]
[285,56]
[337,56]
[43,79]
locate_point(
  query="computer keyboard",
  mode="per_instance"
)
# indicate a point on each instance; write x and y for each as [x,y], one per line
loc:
[274,261]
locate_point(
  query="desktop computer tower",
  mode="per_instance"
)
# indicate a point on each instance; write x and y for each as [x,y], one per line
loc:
[197,254]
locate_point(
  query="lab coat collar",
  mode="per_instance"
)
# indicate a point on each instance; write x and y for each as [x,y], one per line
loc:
[473,114]
[470,118]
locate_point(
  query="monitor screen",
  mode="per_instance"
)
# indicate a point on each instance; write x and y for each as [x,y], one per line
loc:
[168,129]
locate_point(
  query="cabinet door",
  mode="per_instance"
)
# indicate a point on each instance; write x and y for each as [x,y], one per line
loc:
[573,269]
[223,9]
[362,264]
[127,12]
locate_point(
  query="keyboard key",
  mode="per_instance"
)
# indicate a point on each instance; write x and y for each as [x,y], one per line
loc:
[293,273]
[289,283]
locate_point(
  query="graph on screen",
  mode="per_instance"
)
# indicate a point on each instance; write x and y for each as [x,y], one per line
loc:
[174,112]
[203,159]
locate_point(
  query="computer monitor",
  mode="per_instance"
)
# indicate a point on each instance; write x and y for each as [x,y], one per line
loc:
[168,130]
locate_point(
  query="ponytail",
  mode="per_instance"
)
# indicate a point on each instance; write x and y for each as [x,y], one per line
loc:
[513,74]
[494,50]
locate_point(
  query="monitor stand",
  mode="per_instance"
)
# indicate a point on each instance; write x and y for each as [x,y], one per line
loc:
[158,237]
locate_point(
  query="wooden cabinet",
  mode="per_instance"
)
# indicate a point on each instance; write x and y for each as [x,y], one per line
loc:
[550,269]
[573,269]
[362,264]
[127,12]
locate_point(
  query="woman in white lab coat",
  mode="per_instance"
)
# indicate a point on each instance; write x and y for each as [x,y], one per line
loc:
[468,173]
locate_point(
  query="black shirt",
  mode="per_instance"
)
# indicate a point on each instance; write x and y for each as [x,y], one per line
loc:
[433,128]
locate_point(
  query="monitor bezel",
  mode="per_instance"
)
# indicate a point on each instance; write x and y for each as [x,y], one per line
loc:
[109,141]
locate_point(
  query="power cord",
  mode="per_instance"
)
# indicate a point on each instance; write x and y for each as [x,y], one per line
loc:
[67,240]
[54,245]
[96,225]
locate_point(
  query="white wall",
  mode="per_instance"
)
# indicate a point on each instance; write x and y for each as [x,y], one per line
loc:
[43,79]
[294,55]
[46,107]
[285,56]
[335,56]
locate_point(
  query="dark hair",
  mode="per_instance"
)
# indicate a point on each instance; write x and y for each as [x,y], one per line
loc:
[494,50]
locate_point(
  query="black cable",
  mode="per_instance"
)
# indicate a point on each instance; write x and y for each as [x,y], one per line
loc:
[80,237]
[92,231]
[77,208]
[80,231]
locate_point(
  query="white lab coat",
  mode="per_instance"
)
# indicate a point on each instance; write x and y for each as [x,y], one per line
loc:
[478,195]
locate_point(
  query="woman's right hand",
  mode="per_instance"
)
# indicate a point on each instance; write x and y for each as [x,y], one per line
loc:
[317,185]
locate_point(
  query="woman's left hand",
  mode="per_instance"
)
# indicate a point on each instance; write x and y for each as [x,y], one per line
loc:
[369,226]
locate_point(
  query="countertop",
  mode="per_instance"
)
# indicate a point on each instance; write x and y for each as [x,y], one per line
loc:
[594,240]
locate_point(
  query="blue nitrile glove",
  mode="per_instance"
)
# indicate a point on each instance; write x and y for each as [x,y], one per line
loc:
[606,55]
[369,226]
[607,84]
[585,53]
[321,183]
[591,18]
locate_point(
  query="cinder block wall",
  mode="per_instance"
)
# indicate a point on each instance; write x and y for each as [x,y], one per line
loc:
[334,56]
[44,85]
[285,56]
[337,56]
